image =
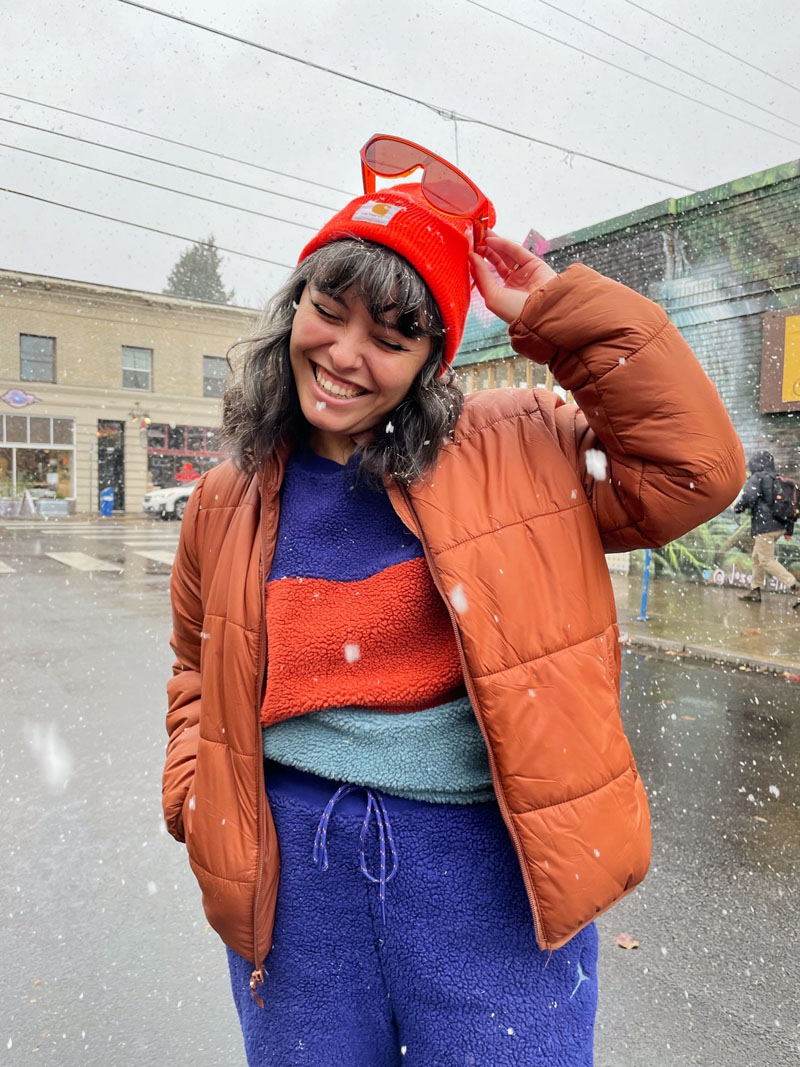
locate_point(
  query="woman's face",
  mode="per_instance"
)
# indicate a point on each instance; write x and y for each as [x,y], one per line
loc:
[350,371]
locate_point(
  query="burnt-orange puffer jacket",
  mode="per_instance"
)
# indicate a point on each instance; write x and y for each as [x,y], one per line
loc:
[514,528]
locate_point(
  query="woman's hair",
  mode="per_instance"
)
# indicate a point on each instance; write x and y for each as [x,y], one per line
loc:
[261,409]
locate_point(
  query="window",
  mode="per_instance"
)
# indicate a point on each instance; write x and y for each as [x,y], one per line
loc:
[37,358]
[137,366]
[28,460]
[215,373]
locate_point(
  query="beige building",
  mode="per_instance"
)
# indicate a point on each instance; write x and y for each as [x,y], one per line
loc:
[103,387]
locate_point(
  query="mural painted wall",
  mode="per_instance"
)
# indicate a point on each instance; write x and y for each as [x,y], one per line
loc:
[722,262]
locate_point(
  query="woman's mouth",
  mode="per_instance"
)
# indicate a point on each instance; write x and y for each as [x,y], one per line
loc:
[331,388]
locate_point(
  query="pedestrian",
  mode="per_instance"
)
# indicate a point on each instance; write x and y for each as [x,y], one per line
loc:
[395,750]
[758,496]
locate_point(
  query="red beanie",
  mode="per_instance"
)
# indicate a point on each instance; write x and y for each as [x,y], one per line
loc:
[434,243]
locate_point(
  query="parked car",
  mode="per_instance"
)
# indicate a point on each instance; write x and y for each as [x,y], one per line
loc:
[168,503]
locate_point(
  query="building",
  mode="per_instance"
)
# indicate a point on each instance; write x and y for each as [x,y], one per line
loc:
[725,264]
[103,387]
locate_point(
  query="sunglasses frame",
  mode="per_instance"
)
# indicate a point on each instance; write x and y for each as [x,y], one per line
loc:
[479,216]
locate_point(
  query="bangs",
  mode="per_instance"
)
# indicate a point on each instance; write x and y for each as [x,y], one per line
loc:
[392,290]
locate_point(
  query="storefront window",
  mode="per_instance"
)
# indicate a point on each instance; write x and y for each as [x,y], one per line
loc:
[172,469]
[179,453]
[44,472]
[39,431]
[6,472]
[63,431]
[16,428]
[176,439]
[157,435]
[195,439]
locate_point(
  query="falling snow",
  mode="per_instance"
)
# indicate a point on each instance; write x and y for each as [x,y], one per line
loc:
[352,653]
[51,754]
[458,599]
[597,464]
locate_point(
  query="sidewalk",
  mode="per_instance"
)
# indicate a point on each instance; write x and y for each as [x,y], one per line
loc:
[710,622]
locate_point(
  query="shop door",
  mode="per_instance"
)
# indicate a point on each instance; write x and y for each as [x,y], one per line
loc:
[111,460]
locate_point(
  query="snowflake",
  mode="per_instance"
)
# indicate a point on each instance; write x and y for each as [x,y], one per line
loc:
[597,464]
[458,599]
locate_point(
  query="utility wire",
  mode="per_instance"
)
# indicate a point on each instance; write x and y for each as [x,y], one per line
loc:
[162,162]
[141,226]
[180,144]
[441,111]
[710,44]
[153,185]
[667,62]
[616,66]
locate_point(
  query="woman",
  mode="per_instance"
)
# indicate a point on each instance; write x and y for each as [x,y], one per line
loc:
[395,751]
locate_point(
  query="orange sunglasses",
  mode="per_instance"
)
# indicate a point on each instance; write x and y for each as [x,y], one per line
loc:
[444,186]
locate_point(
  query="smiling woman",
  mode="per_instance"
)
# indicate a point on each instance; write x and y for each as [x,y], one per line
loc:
[357,316]
[370,633]
[350,371]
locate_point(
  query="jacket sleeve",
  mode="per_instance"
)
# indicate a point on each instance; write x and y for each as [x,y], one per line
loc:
[649,436]
[750,495]
[183,689]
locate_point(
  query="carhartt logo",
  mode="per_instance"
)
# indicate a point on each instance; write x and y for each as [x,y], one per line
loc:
[377,212]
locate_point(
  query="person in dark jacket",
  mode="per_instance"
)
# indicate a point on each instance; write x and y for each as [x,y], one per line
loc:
[758,495]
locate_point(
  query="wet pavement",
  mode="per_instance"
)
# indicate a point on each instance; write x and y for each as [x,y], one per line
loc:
[107,956]
[712,623]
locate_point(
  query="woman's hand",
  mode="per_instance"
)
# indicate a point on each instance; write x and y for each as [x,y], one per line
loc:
[520,271]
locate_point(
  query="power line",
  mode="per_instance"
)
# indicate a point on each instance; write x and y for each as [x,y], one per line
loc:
[668,63]
[724,51]
[141,226]
[625,70]
[181,144]
[153,185]
[162,162]
[443,112]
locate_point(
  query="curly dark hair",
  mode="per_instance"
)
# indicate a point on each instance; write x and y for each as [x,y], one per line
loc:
[261,409]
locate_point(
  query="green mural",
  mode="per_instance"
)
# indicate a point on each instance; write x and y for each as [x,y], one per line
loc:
[718,552]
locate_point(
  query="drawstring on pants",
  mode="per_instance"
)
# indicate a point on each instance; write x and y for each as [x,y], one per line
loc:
[376,807]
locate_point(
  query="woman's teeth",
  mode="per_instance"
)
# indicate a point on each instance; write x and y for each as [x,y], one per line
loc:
[333,389]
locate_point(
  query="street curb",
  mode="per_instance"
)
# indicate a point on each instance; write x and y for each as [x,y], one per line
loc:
[728,659]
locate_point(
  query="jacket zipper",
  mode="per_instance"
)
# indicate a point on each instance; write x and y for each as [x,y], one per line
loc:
[257,977]
[501,800]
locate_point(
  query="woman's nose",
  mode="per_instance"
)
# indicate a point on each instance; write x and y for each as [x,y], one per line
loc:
[346,352]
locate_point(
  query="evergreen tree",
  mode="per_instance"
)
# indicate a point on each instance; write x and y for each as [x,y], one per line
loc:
[196,275]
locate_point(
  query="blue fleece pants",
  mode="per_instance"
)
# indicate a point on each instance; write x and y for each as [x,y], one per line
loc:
[453,976]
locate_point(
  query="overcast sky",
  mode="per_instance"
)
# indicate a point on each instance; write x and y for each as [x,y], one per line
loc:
[145,72]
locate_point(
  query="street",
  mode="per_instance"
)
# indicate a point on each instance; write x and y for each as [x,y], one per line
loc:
[107,956]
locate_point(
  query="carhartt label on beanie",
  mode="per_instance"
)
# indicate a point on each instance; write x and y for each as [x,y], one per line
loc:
[435,244]
[376,212]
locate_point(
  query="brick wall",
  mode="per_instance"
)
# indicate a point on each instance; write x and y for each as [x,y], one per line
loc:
[716,261]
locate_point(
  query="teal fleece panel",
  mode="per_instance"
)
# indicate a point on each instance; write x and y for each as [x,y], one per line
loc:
[436,755]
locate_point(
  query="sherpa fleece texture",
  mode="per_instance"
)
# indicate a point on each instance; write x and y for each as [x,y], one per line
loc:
[454,978]
[353,616]
[437,754]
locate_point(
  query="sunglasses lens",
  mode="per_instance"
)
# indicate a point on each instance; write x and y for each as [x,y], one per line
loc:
[447,190]
[389,158]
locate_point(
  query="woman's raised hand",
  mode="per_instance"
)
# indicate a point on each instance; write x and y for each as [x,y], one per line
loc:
[519,273]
